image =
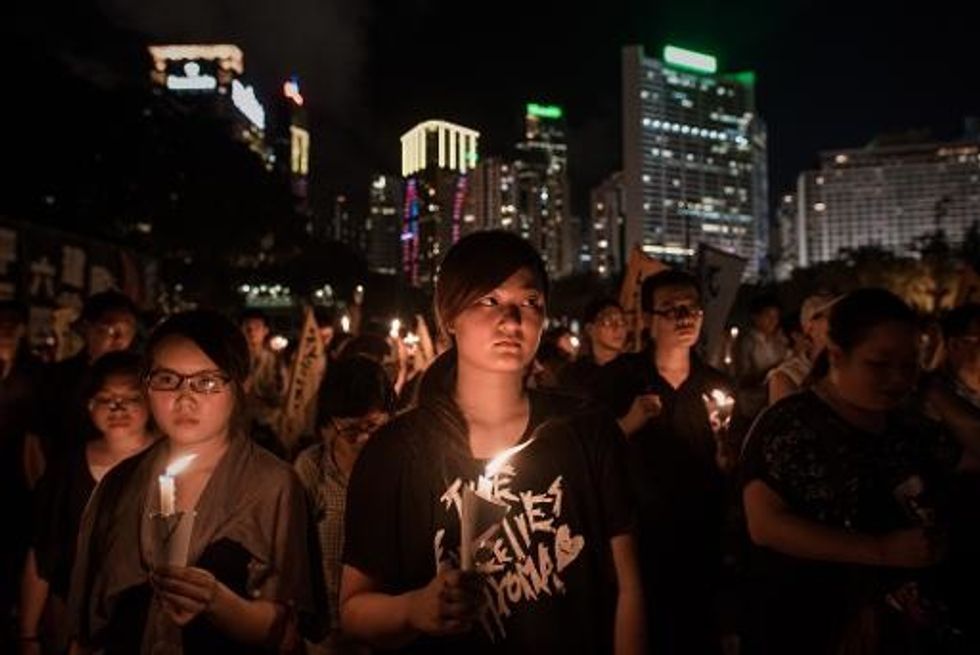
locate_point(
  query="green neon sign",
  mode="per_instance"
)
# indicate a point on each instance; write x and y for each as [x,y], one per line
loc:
[694,61]
[544,111]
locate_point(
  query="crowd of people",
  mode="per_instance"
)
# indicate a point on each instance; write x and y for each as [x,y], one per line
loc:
[519,489]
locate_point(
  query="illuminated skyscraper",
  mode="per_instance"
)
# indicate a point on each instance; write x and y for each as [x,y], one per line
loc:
[543,194]
[607,213]
[211,76]
[888,194]
[493,194]
[384,224]
[437,158]
[694,154]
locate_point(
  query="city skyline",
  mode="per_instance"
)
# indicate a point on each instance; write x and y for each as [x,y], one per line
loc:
[830,75]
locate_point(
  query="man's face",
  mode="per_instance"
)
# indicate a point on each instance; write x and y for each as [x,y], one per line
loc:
[114,330]
[964,355]
[677,316]
[608,330]
[255,331]
[766,320]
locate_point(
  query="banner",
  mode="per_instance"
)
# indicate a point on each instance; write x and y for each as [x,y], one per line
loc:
[639,267]
[720,273]
[303,383]
[53,272]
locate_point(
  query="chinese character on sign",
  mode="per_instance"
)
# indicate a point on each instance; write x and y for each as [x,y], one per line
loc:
[42,277]
[100,280]
[73,267]
[8,249]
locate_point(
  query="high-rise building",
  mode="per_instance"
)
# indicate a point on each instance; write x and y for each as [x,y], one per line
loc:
[694,155]
[888,194]
[346,226]
[608,220]
[493,194]
[211,76]
[384,224]
[783,248]
[294,150]
[437,158]
[543,192]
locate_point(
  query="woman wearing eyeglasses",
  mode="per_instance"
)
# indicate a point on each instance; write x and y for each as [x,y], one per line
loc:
[119,417]
[355,399]
[249,583]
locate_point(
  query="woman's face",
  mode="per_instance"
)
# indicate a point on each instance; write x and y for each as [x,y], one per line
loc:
[501,330]
[191,398]
[880,372]
[118,408]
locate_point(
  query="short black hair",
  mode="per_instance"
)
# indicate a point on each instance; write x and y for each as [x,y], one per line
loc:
[258,314]
[100,304]
[670,277]
[957,321]
[762,302]
[353,386]
[113,363]
[14,309]
[597,306]
[853,317]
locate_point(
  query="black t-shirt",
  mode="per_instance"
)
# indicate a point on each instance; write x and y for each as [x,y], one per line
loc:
[551,582]
[672,458]
[830,472]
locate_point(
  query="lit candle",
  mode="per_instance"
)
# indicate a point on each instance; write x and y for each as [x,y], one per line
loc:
[168,484]
[396,326]
[720,407]
[345,323]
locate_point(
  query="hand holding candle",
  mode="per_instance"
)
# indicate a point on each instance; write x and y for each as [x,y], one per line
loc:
[482,511]
[721,406]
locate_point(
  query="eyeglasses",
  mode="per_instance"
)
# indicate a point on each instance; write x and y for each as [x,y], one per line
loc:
[678,312]
[610,322]
[352,431]
[115,404]
[203,382]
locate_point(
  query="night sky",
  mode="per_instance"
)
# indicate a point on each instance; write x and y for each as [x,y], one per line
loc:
[830,74]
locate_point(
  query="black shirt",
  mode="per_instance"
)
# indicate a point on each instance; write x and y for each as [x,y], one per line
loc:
[550,579]
[830,472]
[672,458]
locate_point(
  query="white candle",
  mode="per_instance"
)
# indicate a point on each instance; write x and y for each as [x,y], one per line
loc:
[168,484]
[168,495]
[396,326]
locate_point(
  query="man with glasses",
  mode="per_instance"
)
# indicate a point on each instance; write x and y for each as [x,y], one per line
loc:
[658,397]
[108,323]
[605,338]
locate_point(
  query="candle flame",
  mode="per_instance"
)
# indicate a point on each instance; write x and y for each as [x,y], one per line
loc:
[396,326]
[721,398]
[178,466]
[497,463]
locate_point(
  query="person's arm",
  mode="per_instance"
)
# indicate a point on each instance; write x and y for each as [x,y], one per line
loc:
[771,523]
[447,605]
[780,386]
[187,592]
[33,595]
[629,637]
